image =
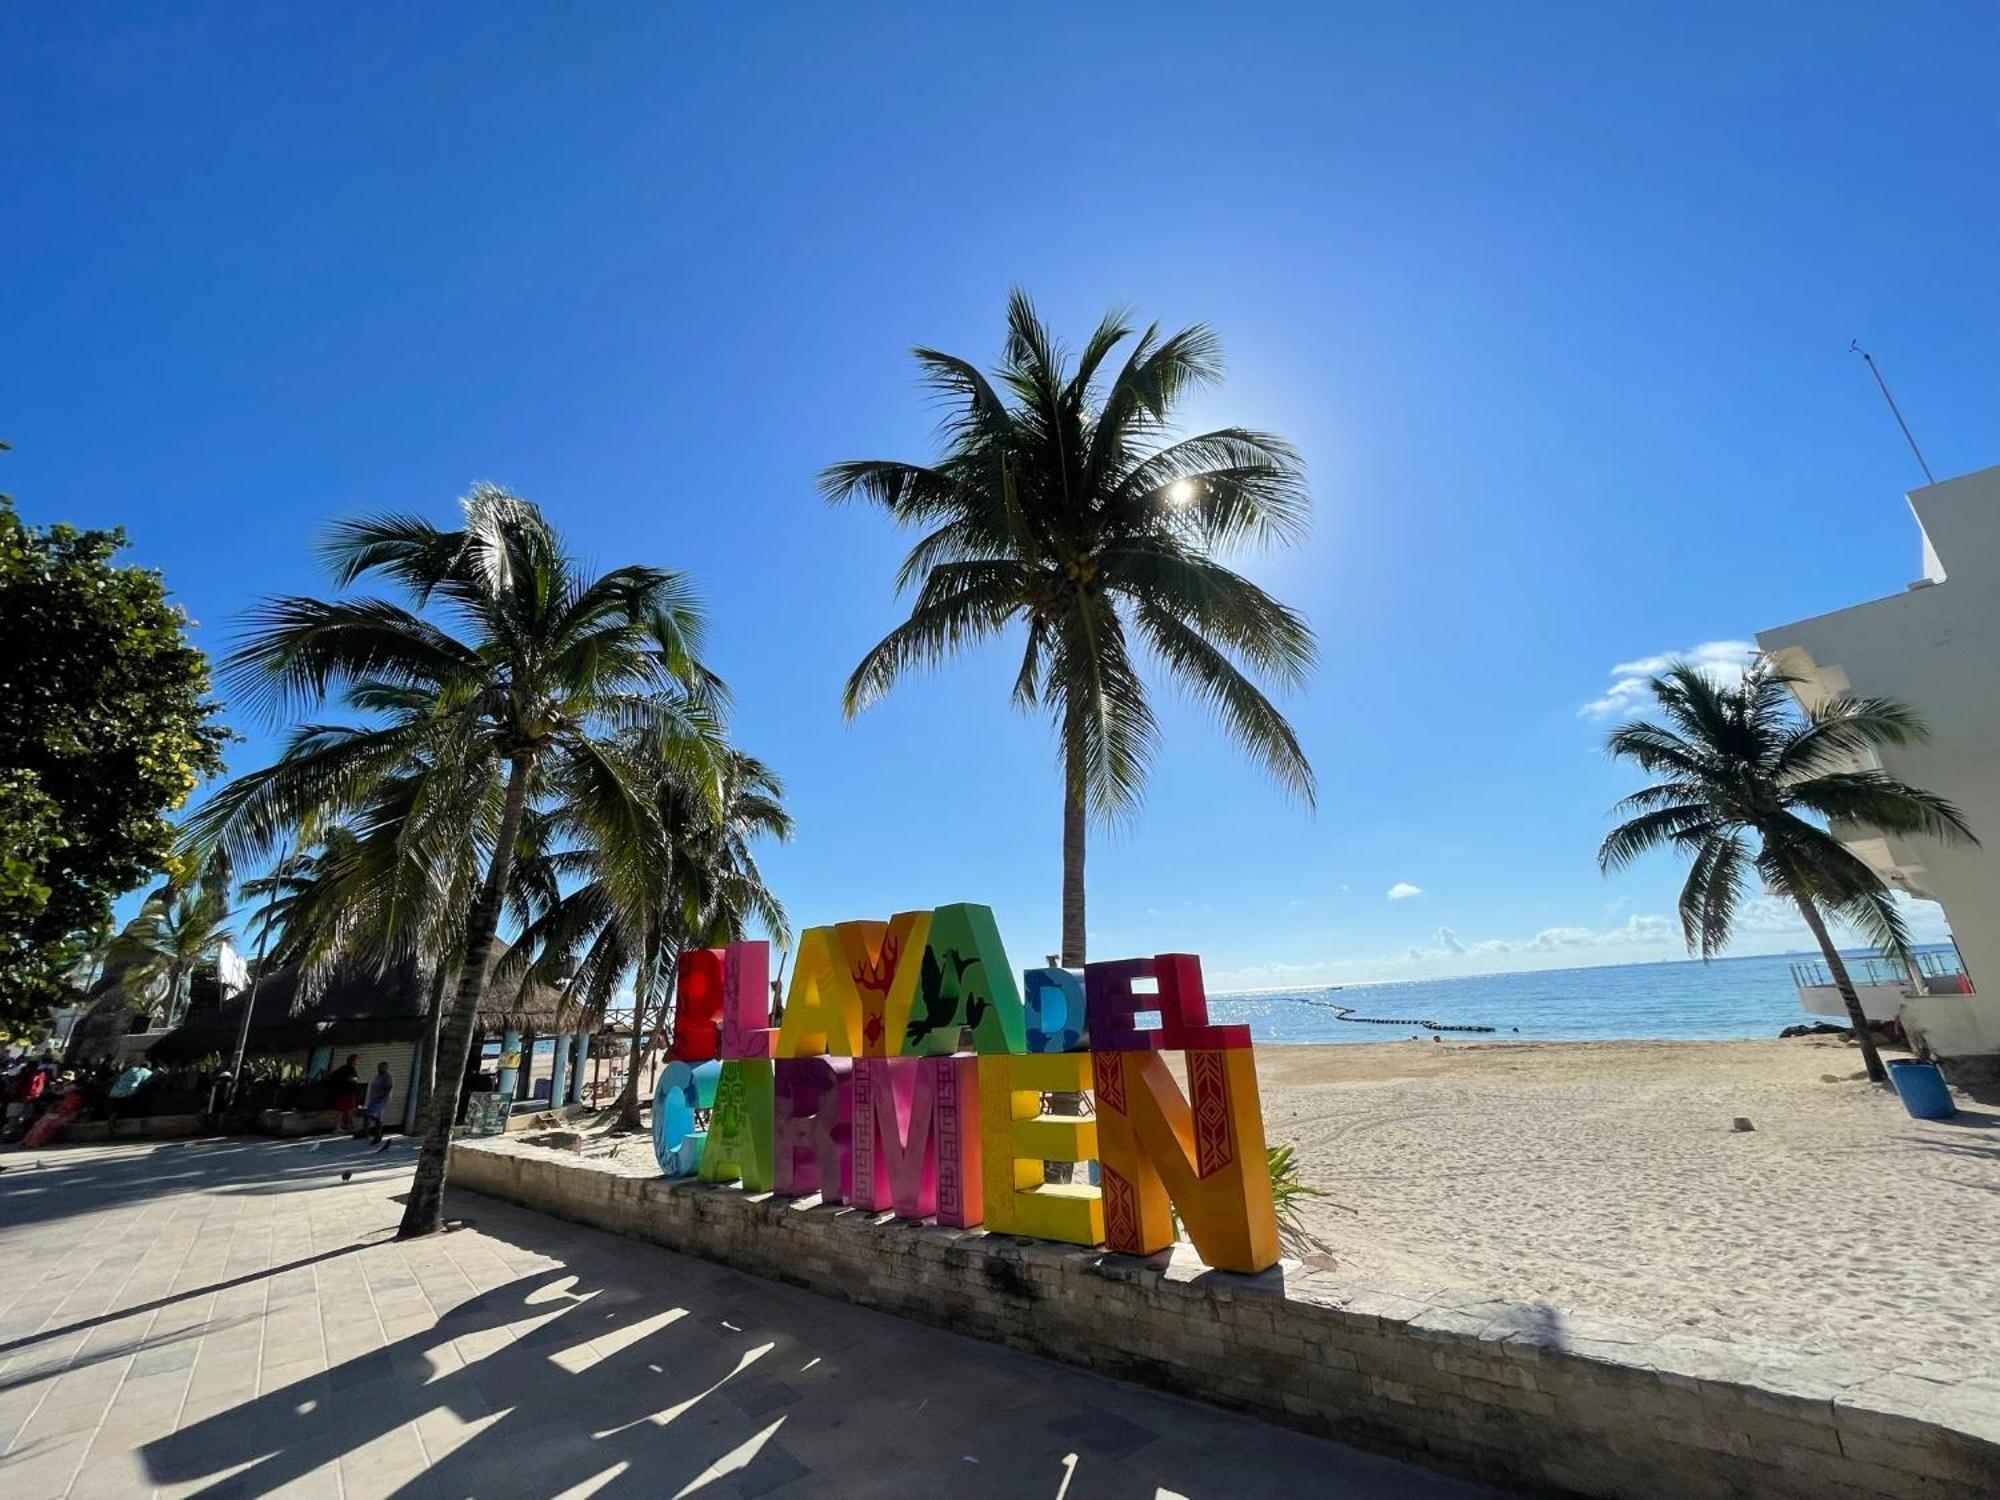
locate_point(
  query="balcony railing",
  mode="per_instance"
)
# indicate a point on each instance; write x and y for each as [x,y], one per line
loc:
[1936,974]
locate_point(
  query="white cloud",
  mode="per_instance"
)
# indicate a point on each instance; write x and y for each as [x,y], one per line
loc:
[1723,660]
[1764,925]
[1634,931]
[1402,890]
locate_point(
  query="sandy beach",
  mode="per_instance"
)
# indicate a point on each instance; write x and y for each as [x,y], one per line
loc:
[1606,1177]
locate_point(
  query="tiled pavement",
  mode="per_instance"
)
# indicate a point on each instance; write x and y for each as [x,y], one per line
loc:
[233,1318]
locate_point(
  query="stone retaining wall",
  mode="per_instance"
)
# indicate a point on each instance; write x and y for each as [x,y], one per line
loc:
[1511,1393]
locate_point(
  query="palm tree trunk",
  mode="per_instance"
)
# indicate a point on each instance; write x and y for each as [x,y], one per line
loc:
[1075,827]
[628,1096]
[1870,1058]
[424,1213]
[1072,854]
[430,1078]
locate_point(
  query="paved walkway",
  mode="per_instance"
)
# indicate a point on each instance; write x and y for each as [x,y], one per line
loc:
[234,1319]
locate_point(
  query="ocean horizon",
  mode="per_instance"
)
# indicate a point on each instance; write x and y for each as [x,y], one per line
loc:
[1673,999]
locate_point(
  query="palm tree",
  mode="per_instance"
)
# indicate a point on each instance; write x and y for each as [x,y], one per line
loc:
[177,929]
[1067,505]
[363,897]
[392,885]
[1750,783]
[512,663]
[607,910]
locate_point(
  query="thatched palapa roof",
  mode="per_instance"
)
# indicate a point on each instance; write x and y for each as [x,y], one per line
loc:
[359,1005]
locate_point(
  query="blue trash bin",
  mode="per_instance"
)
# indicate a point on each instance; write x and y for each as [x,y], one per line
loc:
[1920,1086]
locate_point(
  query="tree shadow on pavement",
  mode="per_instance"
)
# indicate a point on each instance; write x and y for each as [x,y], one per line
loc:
[693,1378]
[42,1187]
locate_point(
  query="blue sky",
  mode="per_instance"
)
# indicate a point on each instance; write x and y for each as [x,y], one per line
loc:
[1554,300]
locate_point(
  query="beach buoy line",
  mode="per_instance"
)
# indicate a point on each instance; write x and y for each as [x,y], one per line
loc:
[1346,1013]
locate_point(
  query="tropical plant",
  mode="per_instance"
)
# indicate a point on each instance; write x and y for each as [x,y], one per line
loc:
[510,662]
[177,929]
[392,885]
[606,910]
[1066,504]
[1751,785]
[1289,1192]
[106,725]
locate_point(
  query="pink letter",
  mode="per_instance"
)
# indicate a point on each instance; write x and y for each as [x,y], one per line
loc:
[746,1000]
[912,1152]
[812,1127]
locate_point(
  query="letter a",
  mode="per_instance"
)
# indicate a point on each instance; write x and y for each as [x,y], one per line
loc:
[822,1009]
[965,985]
[739,1126]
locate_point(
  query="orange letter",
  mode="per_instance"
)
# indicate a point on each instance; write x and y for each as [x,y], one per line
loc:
[1208,1159]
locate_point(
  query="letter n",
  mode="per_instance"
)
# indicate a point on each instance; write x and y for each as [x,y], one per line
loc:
[1204,1153]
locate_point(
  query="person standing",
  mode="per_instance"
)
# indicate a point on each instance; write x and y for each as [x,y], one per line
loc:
[344,1083]
[124,1097]
[380,1087]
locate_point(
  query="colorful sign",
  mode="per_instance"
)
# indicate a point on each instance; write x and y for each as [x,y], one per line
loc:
[910,1071]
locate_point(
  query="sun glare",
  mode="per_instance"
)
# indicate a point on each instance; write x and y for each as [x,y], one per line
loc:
[1180,491]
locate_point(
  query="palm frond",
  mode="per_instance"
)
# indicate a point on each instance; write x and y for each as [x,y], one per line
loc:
[299,649]
[930,635]
[1214,680]
[1671,824]
[1845,730]
[1874,799]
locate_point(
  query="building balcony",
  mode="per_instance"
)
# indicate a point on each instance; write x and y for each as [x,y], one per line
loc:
[1882,985]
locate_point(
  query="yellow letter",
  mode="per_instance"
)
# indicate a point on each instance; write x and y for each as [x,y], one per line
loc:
[822,1010]
[1016,1138]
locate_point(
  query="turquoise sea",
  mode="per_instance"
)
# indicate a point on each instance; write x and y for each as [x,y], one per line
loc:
[1730,997]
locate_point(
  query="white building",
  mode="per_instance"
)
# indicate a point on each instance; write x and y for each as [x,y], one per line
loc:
[1936,647]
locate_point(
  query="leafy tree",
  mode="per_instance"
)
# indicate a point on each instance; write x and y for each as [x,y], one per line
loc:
[106,724]
[1065,504]
[1750,784]
[516,663]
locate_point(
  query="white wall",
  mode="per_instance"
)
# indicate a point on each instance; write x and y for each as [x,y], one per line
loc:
[1937,648]
[401,1058]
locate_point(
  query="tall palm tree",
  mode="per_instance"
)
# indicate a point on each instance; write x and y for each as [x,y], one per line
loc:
[1065,503]
[511,662]
[608,915]
[1750,785]
[177,929]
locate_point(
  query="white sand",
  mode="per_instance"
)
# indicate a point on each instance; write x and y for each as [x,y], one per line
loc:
[1605,1177]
